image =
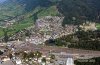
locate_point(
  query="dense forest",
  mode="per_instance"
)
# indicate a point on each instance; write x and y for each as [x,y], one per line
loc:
[93,61]
[81,39]
[81,10]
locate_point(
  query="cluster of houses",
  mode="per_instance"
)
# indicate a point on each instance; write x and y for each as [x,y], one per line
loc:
[50,27]
[10,21]
[88,26]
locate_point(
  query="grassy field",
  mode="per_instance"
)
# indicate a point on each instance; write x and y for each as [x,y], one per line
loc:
[17,27]
[51,11]
[1,32]
[98,26]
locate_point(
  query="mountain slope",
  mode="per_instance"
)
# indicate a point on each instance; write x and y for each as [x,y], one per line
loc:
[19,7]
[9,9]
[32,4]
[74,11]
[80,9]
[31,10]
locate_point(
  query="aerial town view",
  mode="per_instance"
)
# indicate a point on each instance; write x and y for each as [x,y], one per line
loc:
[49,32]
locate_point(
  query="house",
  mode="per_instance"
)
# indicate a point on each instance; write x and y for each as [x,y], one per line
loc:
[2,48]
[6,61]
[88,26]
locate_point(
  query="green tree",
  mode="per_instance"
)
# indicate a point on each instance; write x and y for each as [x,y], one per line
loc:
[1,52]
[31,55]
[37,54]
[10,56]
[44,60]
[52,56]
[24,55]
[5,35]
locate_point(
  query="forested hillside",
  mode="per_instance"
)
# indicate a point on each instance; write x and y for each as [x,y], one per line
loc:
[77,11]
[84,40]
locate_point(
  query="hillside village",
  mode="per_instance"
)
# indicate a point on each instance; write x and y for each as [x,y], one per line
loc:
[49,27]
[50,32]
[10,21]
[27,46]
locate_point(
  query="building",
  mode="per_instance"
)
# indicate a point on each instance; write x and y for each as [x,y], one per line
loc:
[88,26]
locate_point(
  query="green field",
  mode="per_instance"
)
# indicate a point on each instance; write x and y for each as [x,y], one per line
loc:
[98,26]
[51,11]
[17,27]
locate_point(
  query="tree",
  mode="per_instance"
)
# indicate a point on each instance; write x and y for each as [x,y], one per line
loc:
[24,55]
[37,54]
[1,52]
[5,35]
[27,33]
[31,55]
[44,60]
[52,56]
[10,56]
